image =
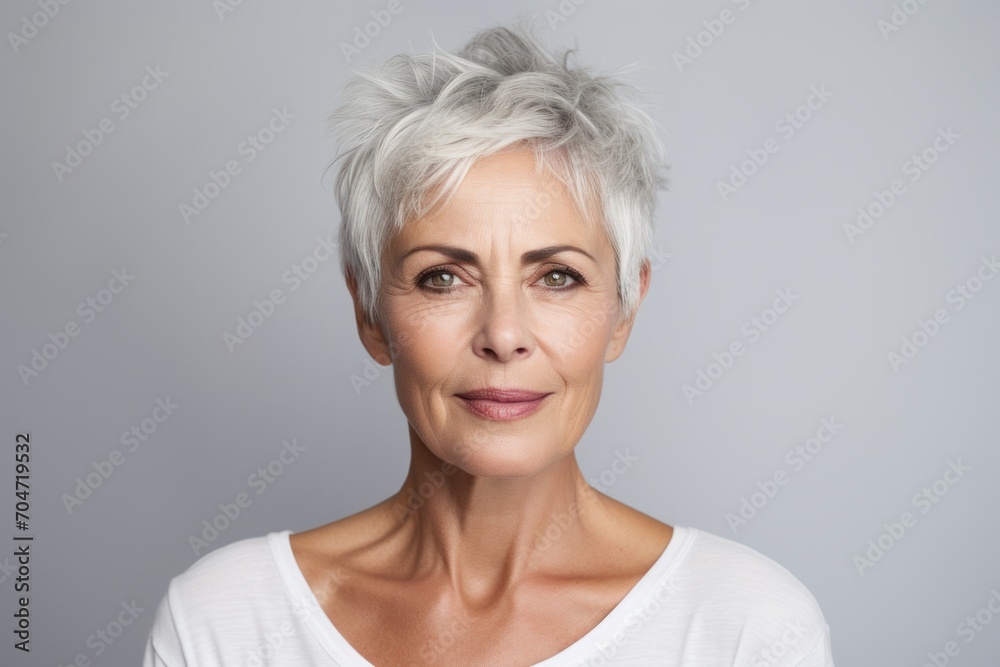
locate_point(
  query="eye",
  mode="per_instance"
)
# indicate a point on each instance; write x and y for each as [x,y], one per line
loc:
[561,274]
[437,279]
[446,278]
[440,279]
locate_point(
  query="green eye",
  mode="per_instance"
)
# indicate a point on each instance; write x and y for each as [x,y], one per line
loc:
[560,274]
[440,279]
[442,274]
[564,271]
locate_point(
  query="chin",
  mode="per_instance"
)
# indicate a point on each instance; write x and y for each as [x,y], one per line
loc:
[504,456]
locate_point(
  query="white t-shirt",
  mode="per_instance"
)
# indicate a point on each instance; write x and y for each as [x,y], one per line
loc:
[706,602]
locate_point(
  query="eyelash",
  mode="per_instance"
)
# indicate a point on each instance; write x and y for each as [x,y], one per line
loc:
[572,273]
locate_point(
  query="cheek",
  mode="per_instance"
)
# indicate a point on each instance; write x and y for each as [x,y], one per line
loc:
[577,339]
[423,344]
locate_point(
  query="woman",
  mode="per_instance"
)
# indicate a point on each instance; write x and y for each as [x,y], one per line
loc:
[497,209]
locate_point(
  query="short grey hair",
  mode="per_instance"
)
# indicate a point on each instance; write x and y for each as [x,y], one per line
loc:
[409,128]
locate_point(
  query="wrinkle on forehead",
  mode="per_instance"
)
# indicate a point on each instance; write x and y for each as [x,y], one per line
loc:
[505,197]
[523,175]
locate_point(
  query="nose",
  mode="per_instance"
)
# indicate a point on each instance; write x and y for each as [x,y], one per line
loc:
[504,334]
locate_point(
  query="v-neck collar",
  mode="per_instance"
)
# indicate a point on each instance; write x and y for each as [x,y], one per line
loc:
[337,646]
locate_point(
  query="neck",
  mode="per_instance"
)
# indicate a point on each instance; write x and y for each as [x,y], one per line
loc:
[486,533]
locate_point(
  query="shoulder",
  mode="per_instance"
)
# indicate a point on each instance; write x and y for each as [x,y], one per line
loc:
[748,574]
[230,576]
[221,603]
[227,564]
[769,608]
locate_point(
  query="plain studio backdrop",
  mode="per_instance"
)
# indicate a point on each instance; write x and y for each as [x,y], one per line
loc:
[831,216]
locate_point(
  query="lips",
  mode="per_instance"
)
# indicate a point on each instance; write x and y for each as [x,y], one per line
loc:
[503,395]
[502,404]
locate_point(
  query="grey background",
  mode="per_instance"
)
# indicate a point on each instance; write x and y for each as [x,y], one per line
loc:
[826,357]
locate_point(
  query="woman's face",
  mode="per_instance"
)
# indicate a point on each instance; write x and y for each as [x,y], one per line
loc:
[500,301]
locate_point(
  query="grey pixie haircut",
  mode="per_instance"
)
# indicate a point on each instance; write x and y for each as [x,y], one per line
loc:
[409,128]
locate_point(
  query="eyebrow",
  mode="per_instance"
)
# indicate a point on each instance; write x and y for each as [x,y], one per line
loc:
[529,257]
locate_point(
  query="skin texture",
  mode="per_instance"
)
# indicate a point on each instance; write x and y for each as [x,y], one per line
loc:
[456,567]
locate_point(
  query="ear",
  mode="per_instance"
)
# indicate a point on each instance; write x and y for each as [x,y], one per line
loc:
[624,327]
[371,334]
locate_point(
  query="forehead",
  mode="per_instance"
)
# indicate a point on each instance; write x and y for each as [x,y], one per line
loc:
[505,196]
[516,170]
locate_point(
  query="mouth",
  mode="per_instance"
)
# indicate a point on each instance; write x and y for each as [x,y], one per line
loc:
[502,404]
